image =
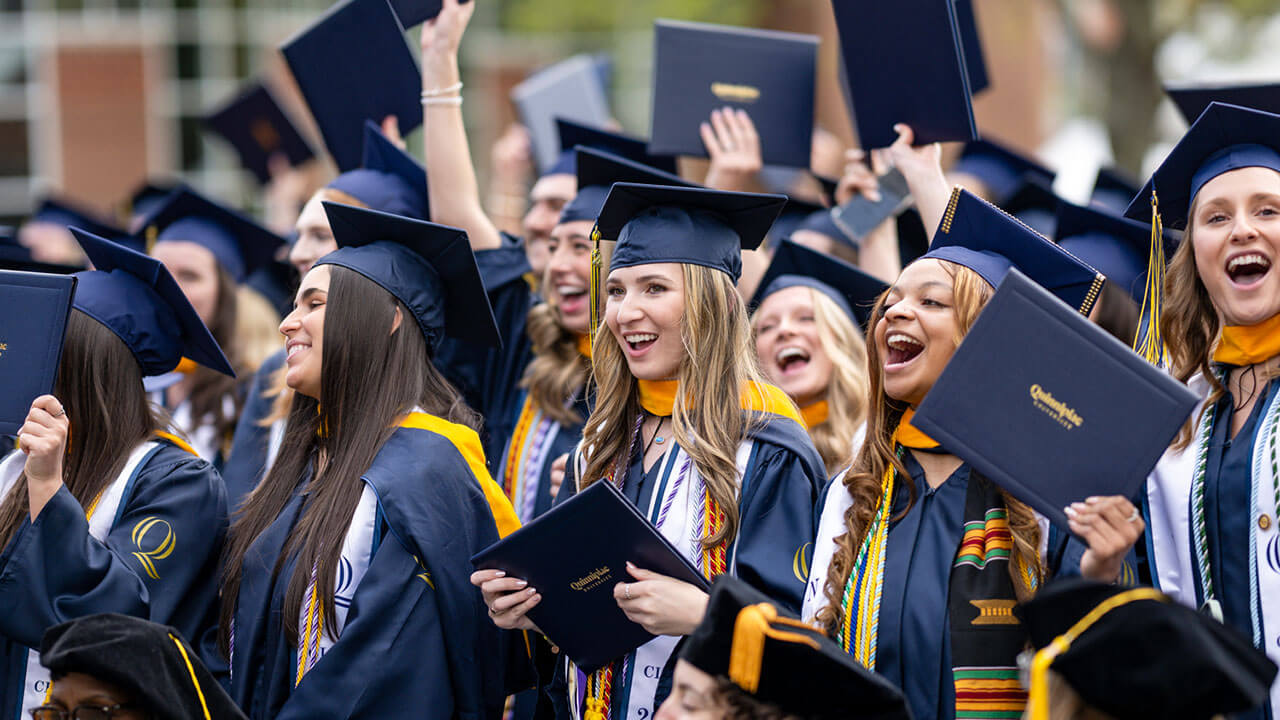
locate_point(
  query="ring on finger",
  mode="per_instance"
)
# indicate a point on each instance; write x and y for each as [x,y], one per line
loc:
[626,590]
[61,412]
[1133,516]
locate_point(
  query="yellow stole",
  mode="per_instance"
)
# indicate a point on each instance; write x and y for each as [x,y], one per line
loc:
[815,413]
[584,346]
[658,397]
[186,366]
[468,444]
[909,436]
[1242,345]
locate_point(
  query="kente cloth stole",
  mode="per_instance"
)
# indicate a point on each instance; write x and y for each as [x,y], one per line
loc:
[986,632]
[525,457]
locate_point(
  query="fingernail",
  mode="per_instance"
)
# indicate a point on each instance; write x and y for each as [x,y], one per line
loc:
[522,583]
[630,566]
[530,592]
[1093,500]
[499,574]
[1070,511]
[875,196]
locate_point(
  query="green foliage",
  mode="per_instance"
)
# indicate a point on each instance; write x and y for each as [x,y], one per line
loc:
[612,15]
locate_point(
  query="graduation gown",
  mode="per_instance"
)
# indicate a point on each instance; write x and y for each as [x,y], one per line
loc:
[416,638]
[1240,523]
[163,522]
[782,476]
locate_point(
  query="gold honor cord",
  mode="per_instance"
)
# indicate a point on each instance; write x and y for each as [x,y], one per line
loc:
[1039,700]
[1148,342]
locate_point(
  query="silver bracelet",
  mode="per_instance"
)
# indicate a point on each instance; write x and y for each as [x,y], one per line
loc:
[454,100]
[456,87]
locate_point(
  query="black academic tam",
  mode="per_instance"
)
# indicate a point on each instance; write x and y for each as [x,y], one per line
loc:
[148,660]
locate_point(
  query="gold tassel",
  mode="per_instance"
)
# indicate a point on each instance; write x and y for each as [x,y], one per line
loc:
[594,290]
[152,234]
[595,709]
[753,625]
[1148,342]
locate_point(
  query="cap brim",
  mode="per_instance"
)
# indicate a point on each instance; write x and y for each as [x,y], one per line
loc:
[750,215]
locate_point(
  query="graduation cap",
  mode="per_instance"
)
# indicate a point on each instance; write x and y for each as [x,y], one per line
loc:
[138,300]
[573,134]
[1222,139]
[1136,653]
[390,181]
[1113,188]
[783,662]
[353,64]
[816,218]
[982,237]
[65,213]
[14,256]
[1192,100]
[794,265]
[151,662]
[258,128]
[697,226]
[1000,168]
[597,171]
[428,267]
[1117,246]
[149,196]
[239,243]
[1035,204]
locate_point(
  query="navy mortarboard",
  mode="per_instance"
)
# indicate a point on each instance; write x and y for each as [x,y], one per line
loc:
[65,213]
[985,239]
[258,128]
[800,216]
[598,171]
[428,267]
[1192,100]
[146,198]
[782,662]
[573,134]
[570,89]
[1135,653]
[390,181]
[699,68]
[1035,204]
[1118,247]
[1000,169]
[14,256]
[697,226]
[240,245]
[151,662]
[136,298]
[904,63]
[1113,188]
[794,265]
[31,335]
[413,13]
[353,64]
[975,61]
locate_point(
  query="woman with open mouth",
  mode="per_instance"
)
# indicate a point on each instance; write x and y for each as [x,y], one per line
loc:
[345,584]
[911,541]
[674,363]
[1212,500]
[808,322]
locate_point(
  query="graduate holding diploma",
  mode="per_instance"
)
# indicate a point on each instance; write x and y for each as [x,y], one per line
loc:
[717,459]
[103,510]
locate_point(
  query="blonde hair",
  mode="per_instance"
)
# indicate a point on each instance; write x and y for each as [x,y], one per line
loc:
[878,454]
[558,370]
[719,361]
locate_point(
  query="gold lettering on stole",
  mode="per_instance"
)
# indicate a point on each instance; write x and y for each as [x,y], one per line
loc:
[161,533]
[800,562]
[995,612]
[1062,413]
[735,93]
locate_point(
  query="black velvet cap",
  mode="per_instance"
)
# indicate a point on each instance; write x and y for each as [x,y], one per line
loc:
[783,662]
[151,662]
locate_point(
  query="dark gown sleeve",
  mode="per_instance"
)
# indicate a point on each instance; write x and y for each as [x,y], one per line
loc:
[248,458]
[777,524]
[158,562]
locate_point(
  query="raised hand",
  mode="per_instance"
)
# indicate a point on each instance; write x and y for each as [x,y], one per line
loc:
[43,437]
[734,148]
[1111,525]
[442,34]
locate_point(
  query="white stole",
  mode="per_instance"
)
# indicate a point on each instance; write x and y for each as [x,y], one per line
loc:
[36,682]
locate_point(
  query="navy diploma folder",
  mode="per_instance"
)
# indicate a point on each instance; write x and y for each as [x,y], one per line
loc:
[257,127]
[572,89]
[1049,406]
[353,64]
[860,216]
[574,555]
[413,13]
[769,74]
[904,62]
[31,333]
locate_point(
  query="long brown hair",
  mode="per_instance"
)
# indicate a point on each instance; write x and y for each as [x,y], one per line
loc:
[558,371]
[371,376]
[100,386]
[863,480]
[210,390]
[719,361]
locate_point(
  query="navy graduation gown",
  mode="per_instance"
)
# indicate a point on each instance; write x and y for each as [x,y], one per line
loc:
[53,571]
[417,639]
[248,459]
